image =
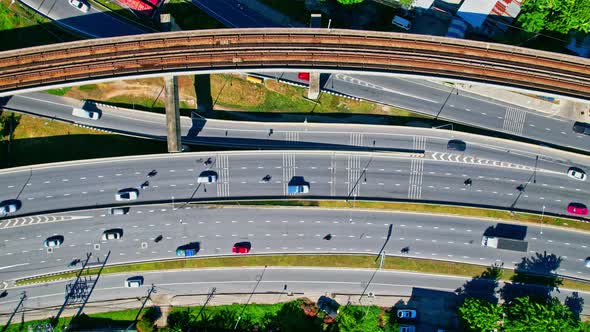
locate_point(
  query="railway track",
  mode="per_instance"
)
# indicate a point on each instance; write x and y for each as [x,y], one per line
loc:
[73,63]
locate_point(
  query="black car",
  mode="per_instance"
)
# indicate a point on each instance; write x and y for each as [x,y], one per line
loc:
[582,128]
[456,145]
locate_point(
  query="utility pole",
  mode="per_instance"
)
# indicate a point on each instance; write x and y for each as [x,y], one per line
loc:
[209,297]
[22,299]
[93,284]
[152,290]
[250,297]
[71,290]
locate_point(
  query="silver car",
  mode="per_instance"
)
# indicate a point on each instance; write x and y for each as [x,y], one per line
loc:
[112,234]
[134,282]
[8,208]
[128,194]
[81,6]
[54,241]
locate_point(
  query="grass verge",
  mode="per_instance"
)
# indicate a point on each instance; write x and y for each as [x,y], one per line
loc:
[340,261]
[435,209]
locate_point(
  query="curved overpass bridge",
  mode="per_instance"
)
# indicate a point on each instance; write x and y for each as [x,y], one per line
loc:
[228,50]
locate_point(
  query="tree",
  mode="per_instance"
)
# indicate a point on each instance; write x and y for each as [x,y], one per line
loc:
[526,315]
[560,16]
[480,315]
[350,2]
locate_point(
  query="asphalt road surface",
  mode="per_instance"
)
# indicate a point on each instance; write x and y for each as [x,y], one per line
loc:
[347,175]
[432,295]
[271,231]
[460,107]
[304,135]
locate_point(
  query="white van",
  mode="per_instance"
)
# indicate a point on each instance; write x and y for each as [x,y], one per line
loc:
[82,113]
[401,22]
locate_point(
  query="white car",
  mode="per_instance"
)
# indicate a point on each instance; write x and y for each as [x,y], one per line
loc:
[86,114]
[576,173]
[209,178]
[54,241]
[81,6]
[134,282]
[112,234]
[127,194]
[587,262]
[8,208]
[406,314]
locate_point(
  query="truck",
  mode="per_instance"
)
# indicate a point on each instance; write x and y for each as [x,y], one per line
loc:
[504,243]
[294,189]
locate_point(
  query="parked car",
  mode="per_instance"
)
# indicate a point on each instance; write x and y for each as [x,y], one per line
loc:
[241,248]
[207,177]
[406,314]
[401,22]
[9,206]
[128,194]
[576,173]
[134,282]
[577,208]
[54,241]
[112,234]
[81,6]
[456,145]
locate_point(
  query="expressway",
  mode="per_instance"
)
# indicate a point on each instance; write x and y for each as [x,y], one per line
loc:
[330,174]
[230,50]
[270,231]
[454,105]
[432,295]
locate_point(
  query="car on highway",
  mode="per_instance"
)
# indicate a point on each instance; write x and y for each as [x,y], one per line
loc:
[456,145]
[54,241]
[241,248]
[587,262]
[112,234]
[407,328]
[207,177]
[406,314]
[188,250]
[9,206]
[119,211]
[85,114]
[581,128]
[134,282]
[81,6]
[303,76]
[576,173]
[128,194]
[577,208]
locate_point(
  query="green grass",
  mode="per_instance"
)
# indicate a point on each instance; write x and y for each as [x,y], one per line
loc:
[88,87]
[59,92]
[39,140]
[21,27]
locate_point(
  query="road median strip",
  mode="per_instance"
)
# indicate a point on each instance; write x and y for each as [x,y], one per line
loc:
[297,260]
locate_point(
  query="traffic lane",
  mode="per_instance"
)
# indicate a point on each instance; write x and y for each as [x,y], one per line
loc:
[230,14]
[175,181]
[151,124]
[243,280]
[351,232]
[313,134]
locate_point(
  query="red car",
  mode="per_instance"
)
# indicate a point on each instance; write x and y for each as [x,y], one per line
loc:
[577,208]
[303,76]
[241,248]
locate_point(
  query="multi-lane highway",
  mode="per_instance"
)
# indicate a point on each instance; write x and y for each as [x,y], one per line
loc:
[349,175]
[270,231]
